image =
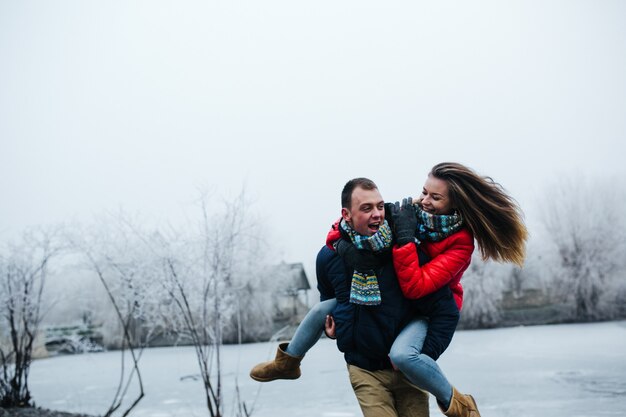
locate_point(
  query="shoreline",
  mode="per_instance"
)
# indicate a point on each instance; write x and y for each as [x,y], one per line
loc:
[36,412]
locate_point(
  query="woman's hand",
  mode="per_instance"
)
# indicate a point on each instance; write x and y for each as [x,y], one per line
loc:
[329,327]
[404,221]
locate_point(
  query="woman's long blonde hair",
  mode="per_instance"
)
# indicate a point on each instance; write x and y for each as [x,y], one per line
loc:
[494,218]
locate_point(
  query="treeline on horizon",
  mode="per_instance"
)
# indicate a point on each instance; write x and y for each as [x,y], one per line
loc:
[163,284]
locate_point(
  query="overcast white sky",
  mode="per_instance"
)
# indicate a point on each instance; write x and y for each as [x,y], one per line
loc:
[134,104]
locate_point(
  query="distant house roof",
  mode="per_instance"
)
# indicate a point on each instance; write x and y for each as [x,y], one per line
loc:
[290,277]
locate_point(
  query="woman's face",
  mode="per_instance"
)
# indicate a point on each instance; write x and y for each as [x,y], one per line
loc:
[434,198]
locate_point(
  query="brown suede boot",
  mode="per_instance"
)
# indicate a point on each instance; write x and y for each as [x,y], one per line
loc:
[284,366]
[461,405]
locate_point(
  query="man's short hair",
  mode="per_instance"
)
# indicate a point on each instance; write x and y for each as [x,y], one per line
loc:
[346,194]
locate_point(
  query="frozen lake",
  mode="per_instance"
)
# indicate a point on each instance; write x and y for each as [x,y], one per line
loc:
[542,371]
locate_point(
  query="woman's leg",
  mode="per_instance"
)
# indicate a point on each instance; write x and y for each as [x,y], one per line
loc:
[286,364]
[406,354]
[311,328]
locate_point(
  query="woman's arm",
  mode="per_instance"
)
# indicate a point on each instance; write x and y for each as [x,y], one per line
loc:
[333,235]
[417,281]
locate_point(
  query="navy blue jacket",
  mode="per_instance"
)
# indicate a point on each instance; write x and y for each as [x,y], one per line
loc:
[364,333]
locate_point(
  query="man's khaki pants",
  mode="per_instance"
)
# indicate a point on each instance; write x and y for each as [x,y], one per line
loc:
[387,393]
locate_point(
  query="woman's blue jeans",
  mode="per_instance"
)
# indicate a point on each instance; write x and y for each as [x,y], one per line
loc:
[406,354]
[311,328]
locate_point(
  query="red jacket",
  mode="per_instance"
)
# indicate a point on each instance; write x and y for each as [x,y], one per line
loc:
[449,258]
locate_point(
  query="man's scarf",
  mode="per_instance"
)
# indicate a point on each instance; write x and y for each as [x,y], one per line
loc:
[364,288]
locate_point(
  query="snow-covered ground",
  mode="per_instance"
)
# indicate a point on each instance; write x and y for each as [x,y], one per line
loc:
[542,371]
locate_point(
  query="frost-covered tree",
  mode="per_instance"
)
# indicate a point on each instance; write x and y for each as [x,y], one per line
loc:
[584,221]
[205,272]
[24,268]
[124,271]
[191,283]
[483,283]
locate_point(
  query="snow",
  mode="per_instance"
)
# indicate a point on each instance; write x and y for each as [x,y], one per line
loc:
[565,370]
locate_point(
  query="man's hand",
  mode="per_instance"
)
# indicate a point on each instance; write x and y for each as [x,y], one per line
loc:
[360,259]
[329,327]
[404,221]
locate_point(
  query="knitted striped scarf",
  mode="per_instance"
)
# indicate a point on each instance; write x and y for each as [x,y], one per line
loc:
[364,288]
[436,227]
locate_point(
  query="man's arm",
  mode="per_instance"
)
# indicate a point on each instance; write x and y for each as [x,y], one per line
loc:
[324,286]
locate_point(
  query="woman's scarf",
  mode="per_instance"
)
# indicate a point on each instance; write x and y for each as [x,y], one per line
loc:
[364,288]
[436,227]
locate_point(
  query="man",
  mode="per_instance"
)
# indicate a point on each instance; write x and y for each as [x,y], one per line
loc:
[371,309]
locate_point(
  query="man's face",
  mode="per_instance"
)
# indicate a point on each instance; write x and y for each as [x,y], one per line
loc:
[367,212]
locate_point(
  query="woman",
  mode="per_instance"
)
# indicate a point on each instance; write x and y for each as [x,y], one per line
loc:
[456,206]
[453,197]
